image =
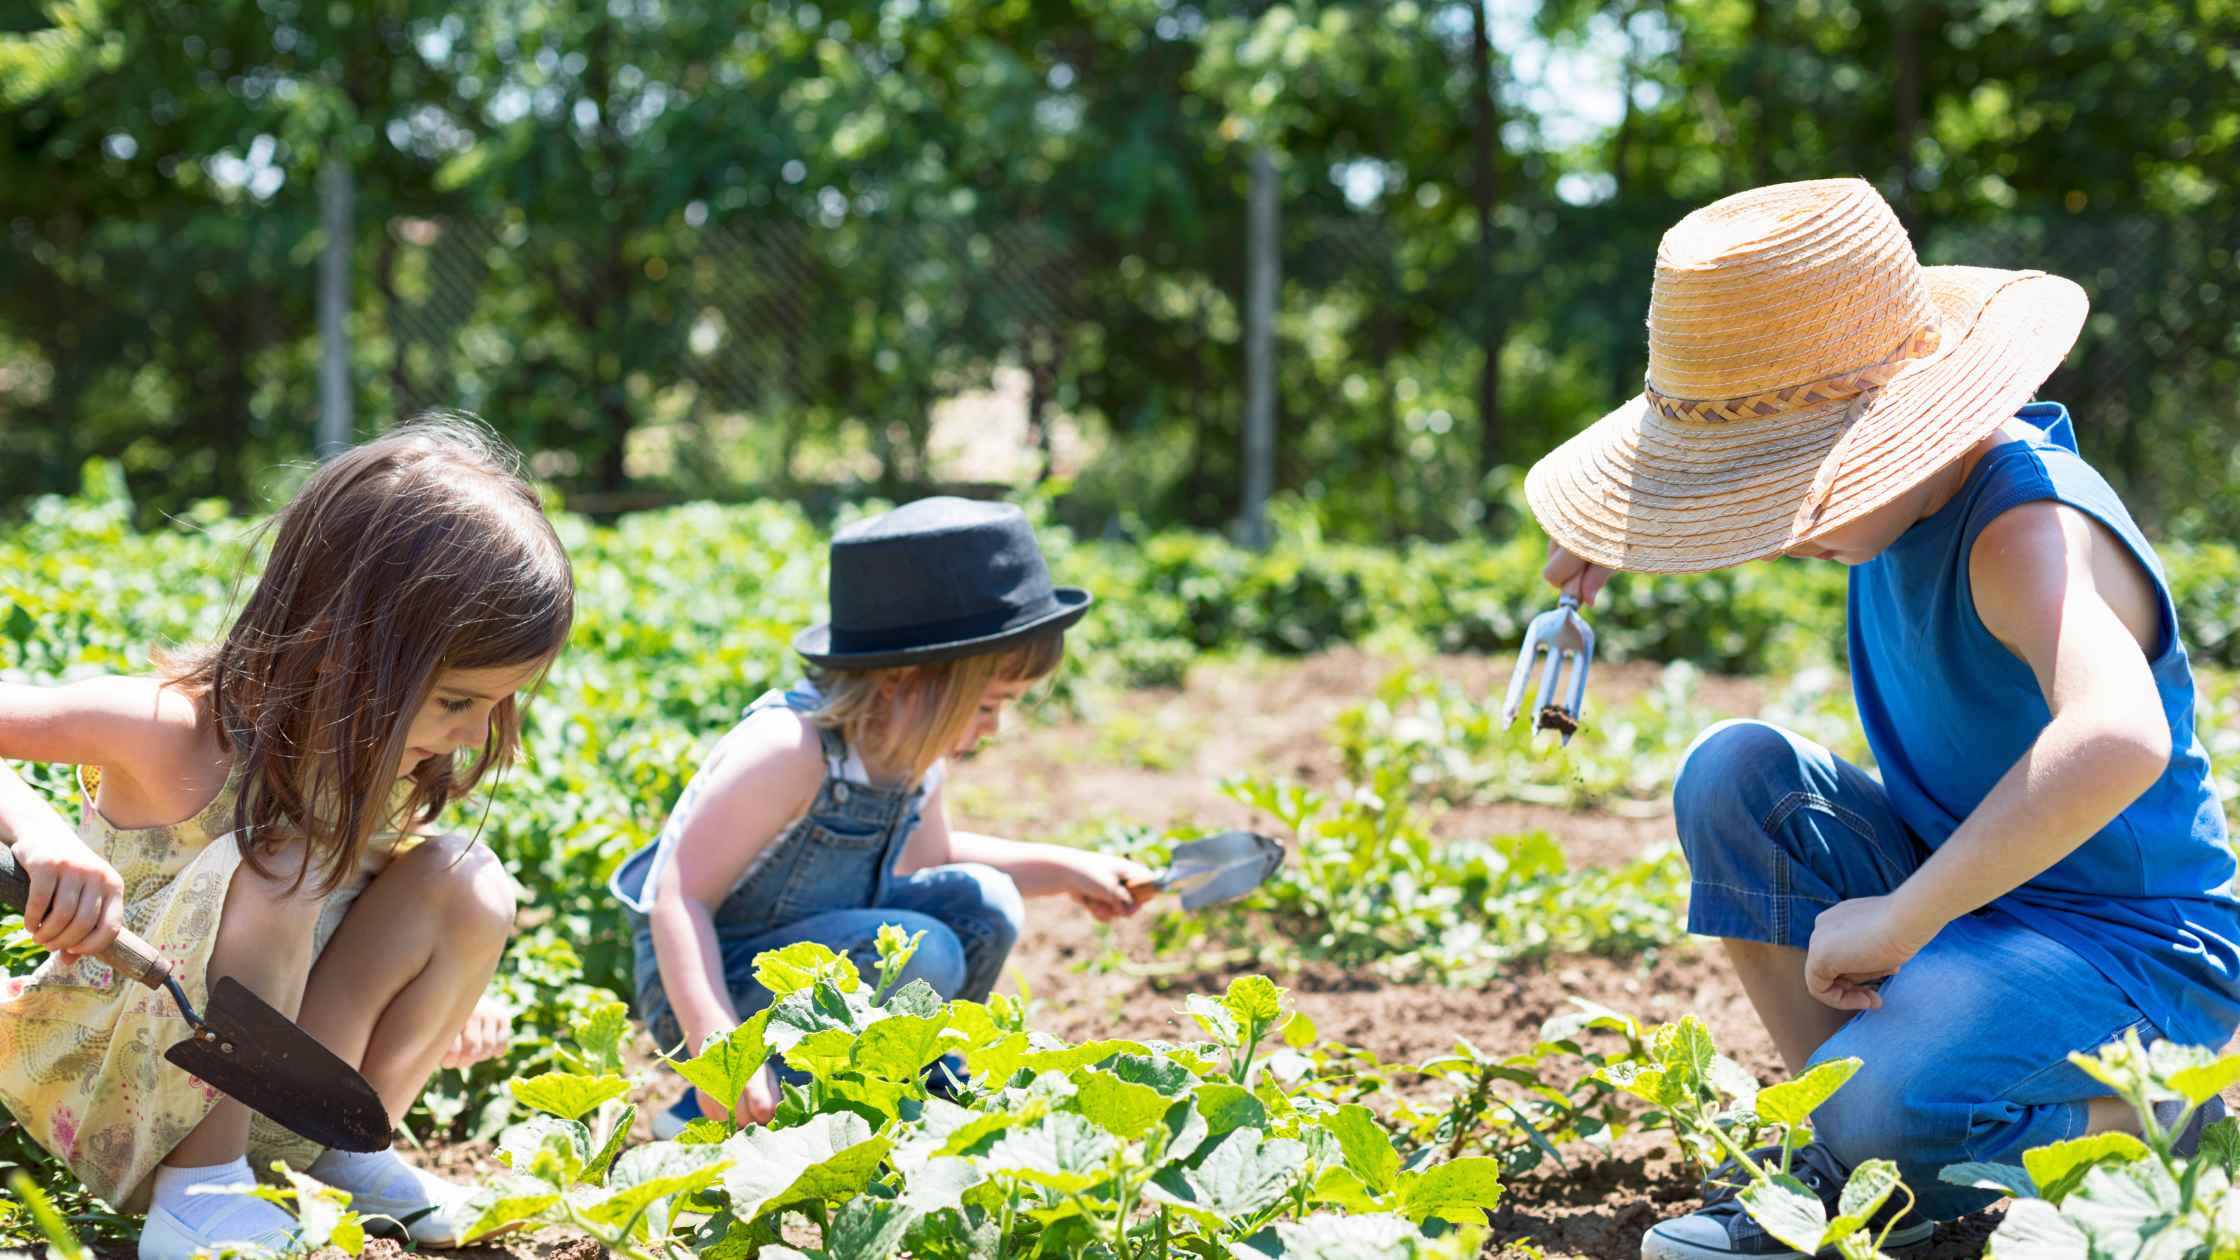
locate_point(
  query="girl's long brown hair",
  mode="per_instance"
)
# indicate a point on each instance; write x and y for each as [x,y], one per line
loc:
[418,552]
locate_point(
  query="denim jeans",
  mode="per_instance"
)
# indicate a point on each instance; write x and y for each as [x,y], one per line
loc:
[970,914]
[1968,1057]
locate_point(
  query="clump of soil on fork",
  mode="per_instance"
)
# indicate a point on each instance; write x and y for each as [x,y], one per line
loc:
[1556,718]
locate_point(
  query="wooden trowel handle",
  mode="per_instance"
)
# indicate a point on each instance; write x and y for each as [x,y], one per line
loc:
[128,953]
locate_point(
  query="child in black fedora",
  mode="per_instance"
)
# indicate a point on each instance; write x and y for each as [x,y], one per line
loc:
[821,815]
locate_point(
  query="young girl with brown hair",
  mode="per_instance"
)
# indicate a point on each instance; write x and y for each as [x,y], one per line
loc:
[822,816]
[260,809]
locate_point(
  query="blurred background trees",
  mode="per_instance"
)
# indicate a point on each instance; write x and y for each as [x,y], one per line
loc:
[721,250]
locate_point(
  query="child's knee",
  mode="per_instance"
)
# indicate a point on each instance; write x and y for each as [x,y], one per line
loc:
[1725,780]
[468,888]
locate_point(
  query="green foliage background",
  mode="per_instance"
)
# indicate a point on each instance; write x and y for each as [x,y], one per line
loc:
[778,233]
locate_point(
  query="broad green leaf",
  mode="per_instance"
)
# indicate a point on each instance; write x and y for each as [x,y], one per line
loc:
[2220,1143]
[547,1148]
[1731,1080]
[1788,1211]
[831,1157]
[823,1052]
[2034,1229]
[1792,1101]
[1299,1032]
[1368,1148]
[1069,1059]
[1227,1107]
[567,1095]
[2200,1084]
[898,1047]
[646,1175]
[802,964]
[1461,1191]
[1061,1150]
[599,1032]
[1683,1049]
[320,1209]
[1238,1177]
[2120,1207]
[2004,1177]
[1159,1072]
[1253,1001]
[729,1066]
[1340,1186]
[986,1125]
[1868,1188]
[496,1210]
[1650,1085]
[868,1229]
[940,1185]
[1333,1237]
[1220,1025]
[1126,1110]
[915,998]
[2057,1167]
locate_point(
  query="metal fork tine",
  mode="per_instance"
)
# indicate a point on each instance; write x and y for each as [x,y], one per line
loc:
[1550,676]
[1521,674]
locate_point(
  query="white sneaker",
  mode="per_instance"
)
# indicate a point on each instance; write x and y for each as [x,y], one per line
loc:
[436,1218]
[166,1237]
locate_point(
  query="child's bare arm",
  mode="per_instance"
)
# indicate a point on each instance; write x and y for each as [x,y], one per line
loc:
[763,781]
[2044,584]
[76,903]
[1097,881]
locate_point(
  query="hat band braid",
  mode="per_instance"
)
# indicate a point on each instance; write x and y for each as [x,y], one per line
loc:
[1774,402]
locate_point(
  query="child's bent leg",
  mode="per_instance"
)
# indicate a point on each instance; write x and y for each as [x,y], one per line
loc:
[1968,1057]
[264,941]
[979,905]
[408,963]
[1776,830]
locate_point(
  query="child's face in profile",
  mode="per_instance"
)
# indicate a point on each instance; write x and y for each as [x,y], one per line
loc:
[457,712]
[989,719]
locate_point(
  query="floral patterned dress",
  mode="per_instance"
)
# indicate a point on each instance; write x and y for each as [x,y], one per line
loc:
[81,1048]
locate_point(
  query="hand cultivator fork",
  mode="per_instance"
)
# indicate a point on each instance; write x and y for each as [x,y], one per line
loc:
[1565,636]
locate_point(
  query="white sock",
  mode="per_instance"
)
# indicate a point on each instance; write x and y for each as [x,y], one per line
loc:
[218,1218]
[381,1175]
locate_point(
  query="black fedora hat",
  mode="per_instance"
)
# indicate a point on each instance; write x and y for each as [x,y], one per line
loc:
[934,580]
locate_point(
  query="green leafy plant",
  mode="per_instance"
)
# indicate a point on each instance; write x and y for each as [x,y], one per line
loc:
[2119,1195]
[1719,1113]
[1109,1148]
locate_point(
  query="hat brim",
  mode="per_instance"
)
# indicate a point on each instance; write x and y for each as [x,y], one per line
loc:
[1638,491]
[815,643]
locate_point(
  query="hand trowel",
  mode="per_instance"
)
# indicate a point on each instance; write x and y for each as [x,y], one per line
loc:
[1218,868]
[245,1049]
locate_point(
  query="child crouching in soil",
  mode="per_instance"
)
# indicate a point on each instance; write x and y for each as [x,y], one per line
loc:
[821,816]
[258,811]
[2042,865]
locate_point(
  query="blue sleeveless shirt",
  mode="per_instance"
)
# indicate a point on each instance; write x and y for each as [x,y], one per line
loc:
[1948,709]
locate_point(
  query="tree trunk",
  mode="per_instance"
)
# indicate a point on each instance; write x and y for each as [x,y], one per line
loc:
[1485,137]
[1042,384]
[335,420]
[1262,280]
[1905,88]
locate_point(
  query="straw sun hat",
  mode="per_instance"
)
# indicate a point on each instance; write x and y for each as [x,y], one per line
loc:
[1804,370]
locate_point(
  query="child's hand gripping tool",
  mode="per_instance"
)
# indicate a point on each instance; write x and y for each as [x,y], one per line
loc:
[242,1047]
[1565,636]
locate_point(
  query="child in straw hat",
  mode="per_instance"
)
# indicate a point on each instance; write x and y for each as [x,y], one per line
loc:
[2042,865]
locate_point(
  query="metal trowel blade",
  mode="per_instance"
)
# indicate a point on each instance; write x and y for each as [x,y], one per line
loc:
[1222,868]
[253,1053]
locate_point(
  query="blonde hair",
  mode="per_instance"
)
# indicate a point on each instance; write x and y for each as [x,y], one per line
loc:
[942,699]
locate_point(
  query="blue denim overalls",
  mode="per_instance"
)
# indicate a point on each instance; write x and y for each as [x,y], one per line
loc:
[829,877]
